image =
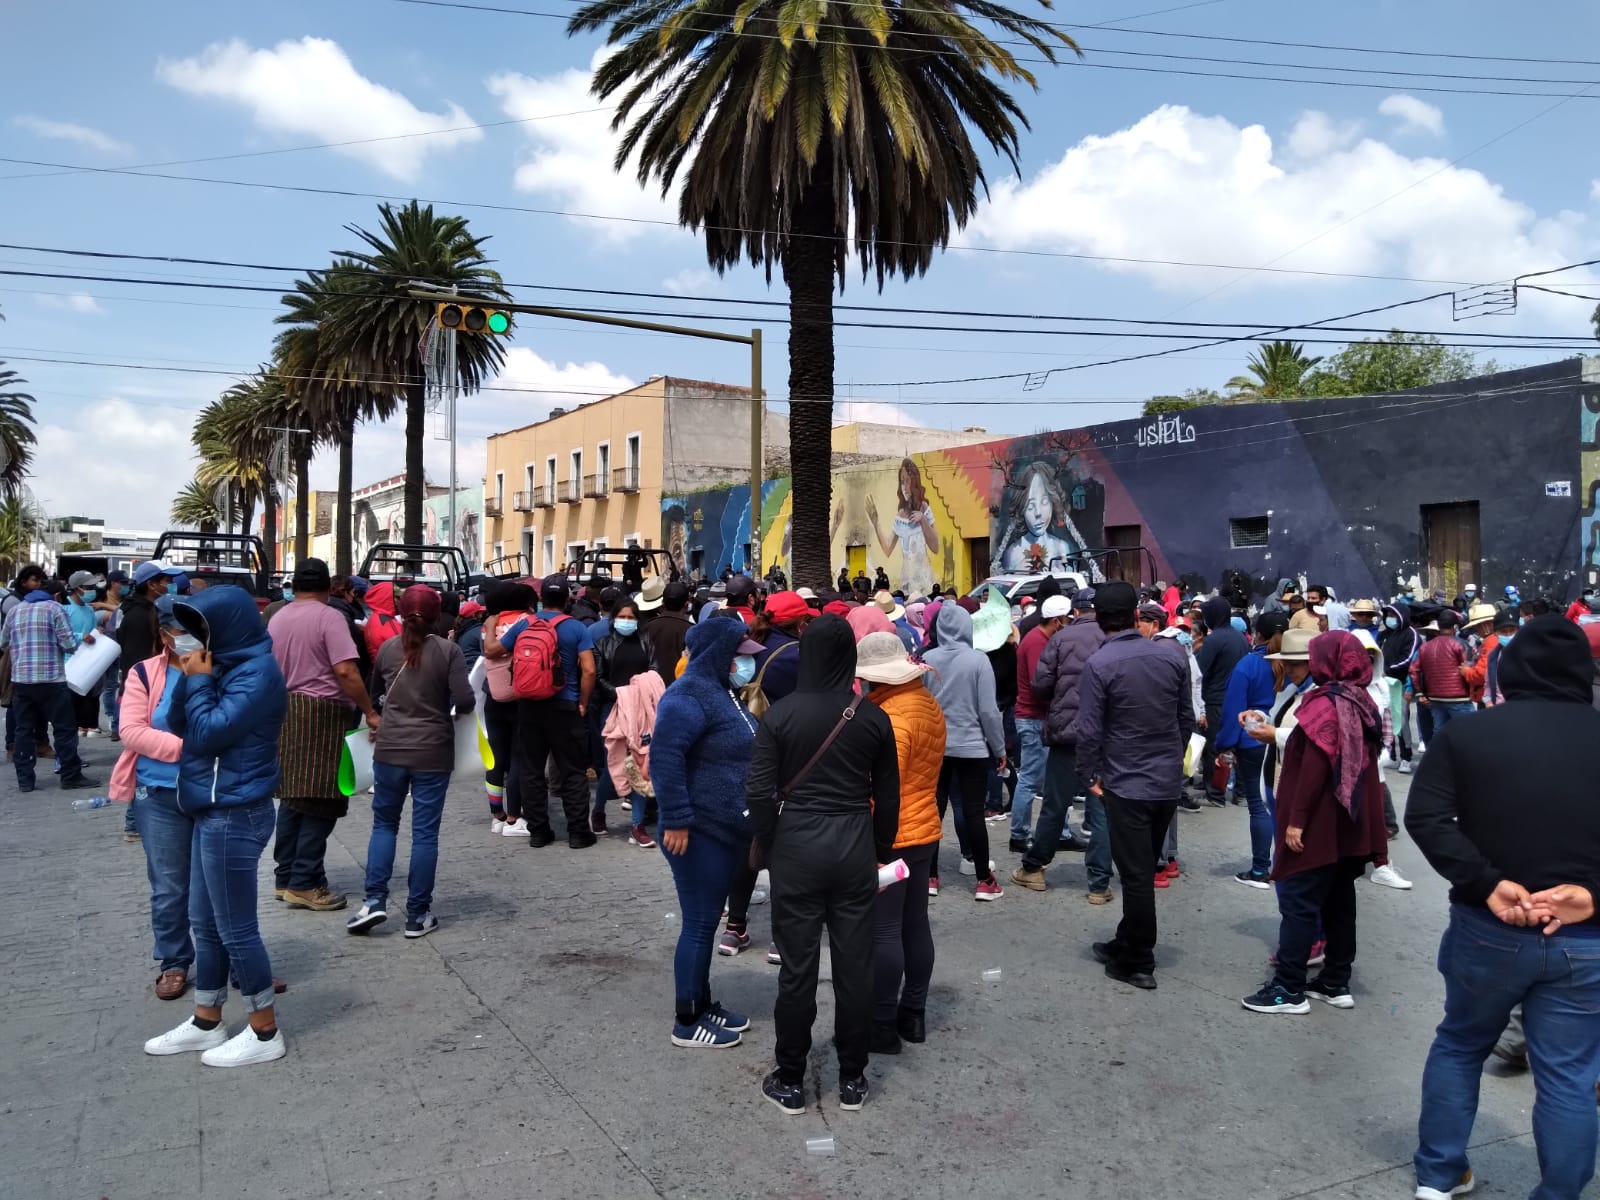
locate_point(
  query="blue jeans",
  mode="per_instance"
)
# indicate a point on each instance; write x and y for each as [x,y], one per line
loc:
[1249,760]
[1097,858]
[702,874]
[427,809]
[1489,968]
[1031,758]
[224,861]
[1443,714]
[167,833]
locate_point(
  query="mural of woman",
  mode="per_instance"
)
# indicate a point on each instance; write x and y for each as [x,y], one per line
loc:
[913,529]
[1039,534]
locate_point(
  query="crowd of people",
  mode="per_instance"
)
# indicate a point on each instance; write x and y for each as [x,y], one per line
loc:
[818,739]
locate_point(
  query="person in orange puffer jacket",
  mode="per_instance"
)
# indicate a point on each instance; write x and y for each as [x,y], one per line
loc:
[902,940]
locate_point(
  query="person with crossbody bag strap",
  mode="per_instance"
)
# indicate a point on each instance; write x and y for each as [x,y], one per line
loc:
[824,796]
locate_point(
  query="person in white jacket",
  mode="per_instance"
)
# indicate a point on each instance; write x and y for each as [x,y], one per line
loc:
[1384,874]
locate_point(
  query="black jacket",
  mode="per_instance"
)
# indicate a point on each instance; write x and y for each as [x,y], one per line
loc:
[667,632]
[1004,663]
[138,631]
[351,613]
[1509,792]
[860,771]
[605,651]
[1224,647]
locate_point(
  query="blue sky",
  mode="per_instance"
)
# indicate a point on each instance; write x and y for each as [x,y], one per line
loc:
[1318,183]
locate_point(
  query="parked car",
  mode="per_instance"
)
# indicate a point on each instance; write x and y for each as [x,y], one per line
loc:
[1015,587]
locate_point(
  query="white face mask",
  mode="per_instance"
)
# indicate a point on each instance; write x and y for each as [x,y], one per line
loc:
[187,643]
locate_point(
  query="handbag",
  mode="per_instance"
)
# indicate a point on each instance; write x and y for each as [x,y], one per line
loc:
[753,697]
[758,858]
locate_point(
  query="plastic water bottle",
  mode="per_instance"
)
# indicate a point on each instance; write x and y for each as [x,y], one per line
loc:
[85,803]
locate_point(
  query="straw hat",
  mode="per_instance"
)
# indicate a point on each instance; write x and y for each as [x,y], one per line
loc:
[1365,606]
[881,658]
[1479,613]
[650,594]
[1296,646]
[891,607]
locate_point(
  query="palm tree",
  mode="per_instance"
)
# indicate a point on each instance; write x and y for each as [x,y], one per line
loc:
[21,523]
[16,439]
[802,127]
[376,328]
[1277,371]
[330,385]
[195,507]
[240,438]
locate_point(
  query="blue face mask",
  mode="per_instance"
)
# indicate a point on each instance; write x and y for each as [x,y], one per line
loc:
[1185,639]
[744,670]
[1505,639]
[288,593]
[1391,622]
[625,627]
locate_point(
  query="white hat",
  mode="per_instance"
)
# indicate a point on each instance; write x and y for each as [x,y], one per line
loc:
[650,594]
[805,593]
[891,607]
[1295,647]
[1055,606]
[881,658]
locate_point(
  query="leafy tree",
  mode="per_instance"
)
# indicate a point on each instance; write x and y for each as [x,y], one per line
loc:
[195,507]
[1394,363]
[21,522]
[1277,371]
[1192,398]
[16,439]
[800,130]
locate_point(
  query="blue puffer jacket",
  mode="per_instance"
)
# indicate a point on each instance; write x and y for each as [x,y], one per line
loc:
[701,747]
[228,720]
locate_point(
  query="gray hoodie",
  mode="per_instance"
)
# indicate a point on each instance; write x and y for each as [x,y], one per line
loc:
[963,684]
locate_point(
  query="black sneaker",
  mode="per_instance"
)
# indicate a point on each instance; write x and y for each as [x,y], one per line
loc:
[1330,994]
[581,841]
[1254,879]
[541,838]
[1188,803]
[80,780]
[1019,845]
[853,1093]
[1071,845]
[1275,998]
[789,1097]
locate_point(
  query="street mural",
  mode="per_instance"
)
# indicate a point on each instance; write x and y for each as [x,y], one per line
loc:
[1589,477]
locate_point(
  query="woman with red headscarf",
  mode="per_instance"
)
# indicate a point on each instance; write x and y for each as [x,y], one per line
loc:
[1330,825]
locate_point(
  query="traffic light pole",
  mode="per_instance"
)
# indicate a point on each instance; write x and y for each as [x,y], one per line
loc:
[752,339]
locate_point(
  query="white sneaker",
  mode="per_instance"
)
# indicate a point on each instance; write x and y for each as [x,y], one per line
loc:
[186,1037]
[497,826]
[967,867]
[517,828]
[1405,766]
[627,806]
[1387,876]
[1467,1184]
[245,1049]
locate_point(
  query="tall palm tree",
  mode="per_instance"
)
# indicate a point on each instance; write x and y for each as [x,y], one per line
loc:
[377,328]
[241,438]
[21,523]
[16,439]
[333,387]
[1277,371]
[802,129]
[195,506]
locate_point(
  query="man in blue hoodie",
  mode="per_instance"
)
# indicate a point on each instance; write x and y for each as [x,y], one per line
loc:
[1252,689]
[1224,647]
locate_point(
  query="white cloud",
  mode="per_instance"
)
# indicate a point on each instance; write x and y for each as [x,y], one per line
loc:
[543,385]
[691,281]
[1594,191]
[1414,116]
[873,412]
[572,157]
[78,302]
[67,131]
[1184,187]
[311,88]
[1316,134]
[137,457]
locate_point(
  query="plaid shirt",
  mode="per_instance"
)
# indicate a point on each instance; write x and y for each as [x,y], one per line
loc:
[39,638]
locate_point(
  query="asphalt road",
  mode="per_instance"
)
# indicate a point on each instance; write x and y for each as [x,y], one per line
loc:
[522,1050]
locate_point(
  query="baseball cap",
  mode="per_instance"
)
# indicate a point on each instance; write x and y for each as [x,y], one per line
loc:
[1153,612]
[787,606]
[358,584]
[804,593]
[740,587]
[82,579]
[146,571]
[1116,598]
[471,608]
[1084,600]
[1055,606]
[118,577]
[166,612]
[312,575]
[555,585]
[675,595]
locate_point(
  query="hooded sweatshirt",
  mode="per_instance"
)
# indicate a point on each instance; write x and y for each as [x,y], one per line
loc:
[228,720]
[963,684]
[382,623]
[859,773]
[1471,810]
[701,747]
[1223,649]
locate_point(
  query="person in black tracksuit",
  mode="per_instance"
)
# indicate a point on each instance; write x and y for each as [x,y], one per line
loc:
[837,825]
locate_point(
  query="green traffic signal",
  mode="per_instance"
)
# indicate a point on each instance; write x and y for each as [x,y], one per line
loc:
[499,322]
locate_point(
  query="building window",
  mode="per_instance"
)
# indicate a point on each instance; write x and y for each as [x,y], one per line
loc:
[500,490]
[574,552]
[1248,533]
[550,476]
[602,470]
[576,482]
[529,540]
[527,479]
[633,457]
[550,563]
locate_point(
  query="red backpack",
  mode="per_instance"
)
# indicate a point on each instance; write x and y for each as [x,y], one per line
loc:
[536,670]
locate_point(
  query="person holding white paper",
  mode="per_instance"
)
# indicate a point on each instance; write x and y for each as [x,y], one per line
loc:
[420,679]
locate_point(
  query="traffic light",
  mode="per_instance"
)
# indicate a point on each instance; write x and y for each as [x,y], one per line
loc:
[472,318]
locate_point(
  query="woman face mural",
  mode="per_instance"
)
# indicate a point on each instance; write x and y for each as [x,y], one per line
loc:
[1038,535]
[1039,511]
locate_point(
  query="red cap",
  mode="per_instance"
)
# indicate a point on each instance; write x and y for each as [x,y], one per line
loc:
[786,606]
[837,608]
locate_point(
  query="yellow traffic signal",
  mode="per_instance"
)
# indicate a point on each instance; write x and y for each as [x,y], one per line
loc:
[472,318]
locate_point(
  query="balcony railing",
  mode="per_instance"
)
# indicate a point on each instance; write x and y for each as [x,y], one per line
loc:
[522,502]
[572,492]
[544,497]
[493,506]
[625,479]
[594,486]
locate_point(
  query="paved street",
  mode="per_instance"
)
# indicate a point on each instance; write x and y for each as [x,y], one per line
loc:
[522,1050]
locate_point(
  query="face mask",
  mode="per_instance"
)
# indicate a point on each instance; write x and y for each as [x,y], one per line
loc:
[187,643]
[288,593]
[83,597]
[1505,638]
[744,670]
[625,627]
[1391,622]
[1185,639]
